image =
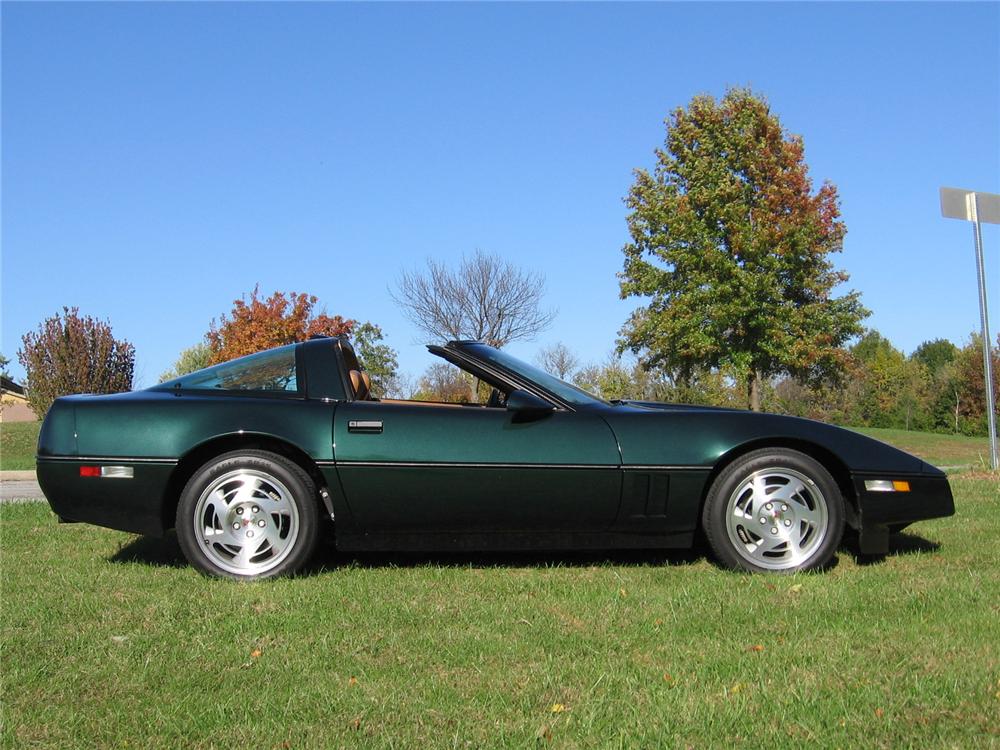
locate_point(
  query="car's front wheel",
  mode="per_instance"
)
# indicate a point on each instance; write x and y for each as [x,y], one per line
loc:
[248,514]
[774,509]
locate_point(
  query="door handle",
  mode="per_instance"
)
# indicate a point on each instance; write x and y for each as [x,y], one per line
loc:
[372,427]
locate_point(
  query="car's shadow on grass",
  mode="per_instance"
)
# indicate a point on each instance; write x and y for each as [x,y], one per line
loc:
[149,550]
[902,543]
[328,558]
[166,552]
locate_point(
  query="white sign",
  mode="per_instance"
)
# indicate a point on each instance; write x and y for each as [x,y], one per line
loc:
[968,205]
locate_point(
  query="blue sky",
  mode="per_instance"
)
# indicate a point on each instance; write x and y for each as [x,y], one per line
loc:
[160,160]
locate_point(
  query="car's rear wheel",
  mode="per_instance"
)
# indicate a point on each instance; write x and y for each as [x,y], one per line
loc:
[248,514]
[774,510]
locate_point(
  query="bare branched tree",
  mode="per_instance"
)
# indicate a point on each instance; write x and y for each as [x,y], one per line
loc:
[558,360]
[486,298]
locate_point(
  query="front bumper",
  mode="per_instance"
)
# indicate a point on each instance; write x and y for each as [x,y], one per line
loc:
[881,512]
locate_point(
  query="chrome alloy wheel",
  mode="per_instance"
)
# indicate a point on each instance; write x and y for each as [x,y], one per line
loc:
[246,521]
[777,518]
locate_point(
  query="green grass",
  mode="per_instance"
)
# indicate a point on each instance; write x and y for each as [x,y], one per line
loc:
[110,640]
[18,441]
[939,450]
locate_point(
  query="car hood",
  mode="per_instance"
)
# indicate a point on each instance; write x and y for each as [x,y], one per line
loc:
[692,435]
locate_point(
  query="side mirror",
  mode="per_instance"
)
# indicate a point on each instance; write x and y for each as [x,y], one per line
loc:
[527,405]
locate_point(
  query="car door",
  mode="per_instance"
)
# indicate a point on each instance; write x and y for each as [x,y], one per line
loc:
[407,466]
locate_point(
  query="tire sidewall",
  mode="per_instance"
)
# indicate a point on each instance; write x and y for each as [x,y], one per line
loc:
[714,514]
[299,485]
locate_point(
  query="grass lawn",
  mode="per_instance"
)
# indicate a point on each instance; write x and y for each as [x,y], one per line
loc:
[18,441]
[110,640]
[939,450]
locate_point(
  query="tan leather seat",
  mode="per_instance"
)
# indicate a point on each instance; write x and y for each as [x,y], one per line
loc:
[361,384]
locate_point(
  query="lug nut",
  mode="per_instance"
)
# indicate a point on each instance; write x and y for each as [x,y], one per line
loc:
[774,530]
[784,507]
[769,506]
[261,523]
[249,533]
[763,520]
[236,525]
[787,522]
[256,509]
[239,511]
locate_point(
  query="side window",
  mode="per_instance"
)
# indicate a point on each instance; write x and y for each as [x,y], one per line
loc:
[443,382]
[273,370]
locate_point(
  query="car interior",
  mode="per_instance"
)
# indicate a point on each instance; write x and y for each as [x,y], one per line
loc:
[361,386]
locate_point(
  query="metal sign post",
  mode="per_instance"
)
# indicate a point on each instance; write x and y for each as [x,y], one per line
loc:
[969,205]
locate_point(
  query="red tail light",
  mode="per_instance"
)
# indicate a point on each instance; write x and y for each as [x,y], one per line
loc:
[90,471]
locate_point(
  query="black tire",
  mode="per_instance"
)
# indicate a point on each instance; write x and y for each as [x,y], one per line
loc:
[770,525]
[247,515]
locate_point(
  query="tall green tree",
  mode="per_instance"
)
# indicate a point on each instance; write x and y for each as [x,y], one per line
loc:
[730,245]
[377,358]
[881,389]
[73,354]
[935,354]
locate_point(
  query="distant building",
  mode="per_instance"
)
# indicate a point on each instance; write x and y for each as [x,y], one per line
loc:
[13,403]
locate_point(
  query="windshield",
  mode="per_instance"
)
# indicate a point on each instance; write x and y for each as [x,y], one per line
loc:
[566,391]
[271,370]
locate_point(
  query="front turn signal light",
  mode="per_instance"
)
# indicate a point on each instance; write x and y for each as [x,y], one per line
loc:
[887,485]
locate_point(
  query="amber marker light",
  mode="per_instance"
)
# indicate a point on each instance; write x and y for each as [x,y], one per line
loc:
[887,485]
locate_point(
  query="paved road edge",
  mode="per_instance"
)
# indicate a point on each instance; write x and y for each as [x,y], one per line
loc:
[18,476]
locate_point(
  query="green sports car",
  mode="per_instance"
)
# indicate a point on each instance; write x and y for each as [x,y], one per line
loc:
[252,460]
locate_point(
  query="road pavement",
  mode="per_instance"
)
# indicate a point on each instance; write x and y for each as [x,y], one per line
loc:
[19,485]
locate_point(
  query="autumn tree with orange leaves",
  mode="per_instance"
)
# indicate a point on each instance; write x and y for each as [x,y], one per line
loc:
[730,245]
[256,324]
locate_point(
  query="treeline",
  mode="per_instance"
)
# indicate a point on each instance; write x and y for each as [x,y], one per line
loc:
[73,353]
[939,387]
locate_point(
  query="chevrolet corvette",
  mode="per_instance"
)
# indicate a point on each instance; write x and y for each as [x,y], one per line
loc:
[252,460]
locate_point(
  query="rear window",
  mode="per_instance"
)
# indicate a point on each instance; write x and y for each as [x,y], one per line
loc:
[272,370]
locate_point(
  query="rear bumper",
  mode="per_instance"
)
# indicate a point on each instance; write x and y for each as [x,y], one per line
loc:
[134,504]
[929,497]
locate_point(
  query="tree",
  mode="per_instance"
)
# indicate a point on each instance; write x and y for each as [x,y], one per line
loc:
[935,354]
[3,366]
[443,382]
[881,379]
[970,385]
[257,324]
[943,398]
[73,354]
[378,359]
[610,381]
[486,299]
[558,360]
[730,244]
[193,358]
